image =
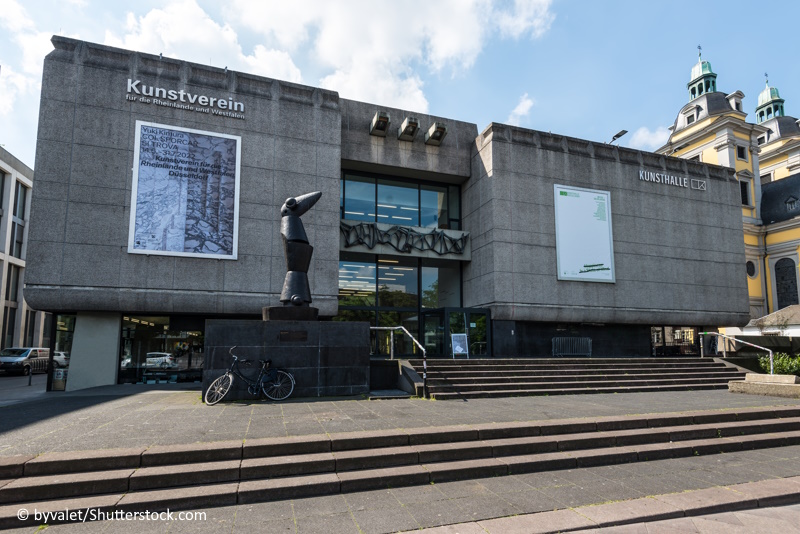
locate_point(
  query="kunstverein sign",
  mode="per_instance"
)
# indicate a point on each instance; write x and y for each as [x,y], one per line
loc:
[185,193]
[584,242]
[180,99]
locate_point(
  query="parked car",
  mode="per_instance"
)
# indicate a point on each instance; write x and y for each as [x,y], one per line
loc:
[61,359]
[24,360]
[158,360]
[163,360]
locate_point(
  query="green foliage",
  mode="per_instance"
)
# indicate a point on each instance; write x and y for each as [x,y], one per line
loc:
[783,364]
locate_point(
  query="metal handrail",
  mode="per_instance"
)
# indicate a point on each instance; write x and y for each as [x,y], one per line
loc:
[417,343]
[725,351]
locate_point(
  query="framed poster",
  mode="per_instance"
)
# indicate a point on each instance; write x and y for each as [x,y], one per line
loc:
[584,242]
[185,192]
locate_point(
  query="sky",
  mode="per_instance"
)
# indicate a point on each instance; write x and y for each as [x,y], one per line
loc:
[583,68]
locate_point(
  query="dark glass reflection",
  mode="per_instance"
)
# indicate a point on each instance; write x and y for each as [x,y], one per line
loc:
[357,283]
[433,207]
[398,203]
[397,283]
[359,199]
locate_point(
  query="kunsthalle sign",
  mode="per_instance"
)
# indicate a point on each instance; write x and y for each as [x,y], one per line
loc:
[180,99]
[584,241]
[671,180]
[185,193]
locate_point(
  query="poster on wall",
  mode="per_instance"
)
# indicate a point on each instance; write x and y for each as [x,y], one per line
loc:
[584,242]
[185,193]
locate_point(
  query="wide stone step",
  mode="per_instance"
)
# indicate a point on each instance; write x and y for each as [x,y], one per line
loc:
[567,367]
[308,485]
[436,387]
[562,361]
[536,378]
[428,449]
[572,391]
[569,371]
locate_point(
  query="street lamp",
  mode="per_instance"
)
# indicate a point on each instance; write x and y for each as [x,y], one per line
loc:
[617,136]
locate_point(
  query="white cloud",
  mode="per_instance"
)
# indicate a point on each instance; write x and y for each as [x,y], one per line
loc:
[522,110]
[526,17]
[12,86]
[182,29]
[370,50]
[645,139]
[13,17]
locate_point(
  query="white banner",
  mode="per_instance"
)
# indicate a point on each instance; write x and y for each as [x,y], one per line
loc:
[584,241]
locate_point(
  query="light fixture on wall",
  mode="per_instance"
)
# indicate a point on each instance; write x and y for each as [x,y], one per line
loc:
[380,124]
[408,129]
[617,136]
[435,134]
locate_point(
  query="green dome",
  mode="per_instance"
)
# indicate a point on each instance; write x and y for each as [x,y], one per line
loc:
[768,94]
[702,67]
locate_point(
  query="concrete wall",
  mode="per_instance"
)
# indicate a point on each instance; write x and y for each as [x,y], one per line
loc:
[94,359]
[678,252]
[291,144]
[362,151]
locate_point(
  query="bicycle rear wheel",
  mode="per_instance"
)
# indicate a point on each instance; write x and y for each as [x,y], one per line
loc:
[279,386]
[218,389]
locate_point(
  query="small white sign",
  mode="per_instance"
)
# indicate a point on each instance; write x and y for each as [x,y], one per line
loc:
[459,343]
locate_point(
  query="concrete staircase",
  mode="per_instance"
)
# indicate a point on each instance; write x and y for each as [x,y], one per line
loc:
[196,476]
[483,378]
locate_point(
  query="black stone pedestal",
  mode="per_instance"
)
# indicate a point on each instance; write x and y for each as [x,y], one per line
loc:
[327,358]
[289,313]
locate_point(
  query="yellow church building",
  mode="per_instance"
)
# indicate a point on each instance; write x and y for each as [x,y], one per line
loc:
[713,128]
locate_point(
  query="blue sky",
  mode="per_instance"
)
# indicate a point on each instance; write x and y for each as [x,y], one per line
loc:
[581,68]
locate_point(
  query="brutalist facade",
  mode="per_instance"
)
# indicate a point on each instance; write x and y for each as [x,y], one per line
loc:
[159,184]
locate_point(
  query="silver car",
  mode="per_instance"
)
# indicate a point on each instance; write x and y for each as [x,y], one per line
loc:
[24,360]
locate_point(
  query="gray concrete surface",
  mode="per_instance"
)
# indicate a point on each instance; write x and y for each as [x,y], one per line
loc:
[126,416]
[777,519]
[136,415]
[15,389]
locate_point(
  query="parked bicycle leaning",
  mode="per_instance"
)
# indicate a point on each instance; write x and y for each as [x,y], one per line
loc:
[275,384]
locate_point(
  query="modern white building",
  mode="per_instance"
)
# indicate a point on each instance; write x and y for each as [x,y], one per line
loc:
[21,325]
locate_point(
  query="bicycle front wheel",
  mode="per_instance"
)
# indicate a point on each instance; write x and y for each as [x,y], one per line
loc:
[279,386]
[218,389]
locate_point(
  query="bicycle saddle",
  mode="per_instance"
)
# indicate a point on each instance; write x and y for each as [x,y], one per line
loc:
[266,362]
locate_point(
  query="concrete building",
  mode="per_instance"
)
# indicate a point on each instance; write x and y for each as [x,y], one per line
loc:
[167,178]
[713,128]
[22,326]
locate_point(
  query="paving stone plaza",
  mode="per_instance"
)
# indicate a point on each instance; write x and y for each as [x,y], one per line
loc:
[131,416]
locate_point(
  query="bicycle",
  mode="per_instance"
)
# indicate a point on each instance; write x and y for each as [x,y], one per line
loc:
[276,384]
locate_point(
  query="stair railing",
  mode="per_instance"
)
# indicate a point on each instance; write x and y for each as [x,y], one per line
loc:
[725,350]
[391,330]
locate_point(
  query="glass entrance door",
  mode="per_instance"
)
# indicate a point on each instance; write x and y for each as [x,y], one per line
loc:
[440,324]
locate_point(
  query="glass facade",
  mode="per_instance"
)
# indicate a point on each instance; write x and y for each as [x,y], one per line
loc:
[393,290]
[399,202]
[160,349]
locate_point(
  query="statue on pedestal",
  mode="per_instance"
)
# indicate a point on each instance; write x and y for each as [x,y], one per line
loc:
[297,250]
